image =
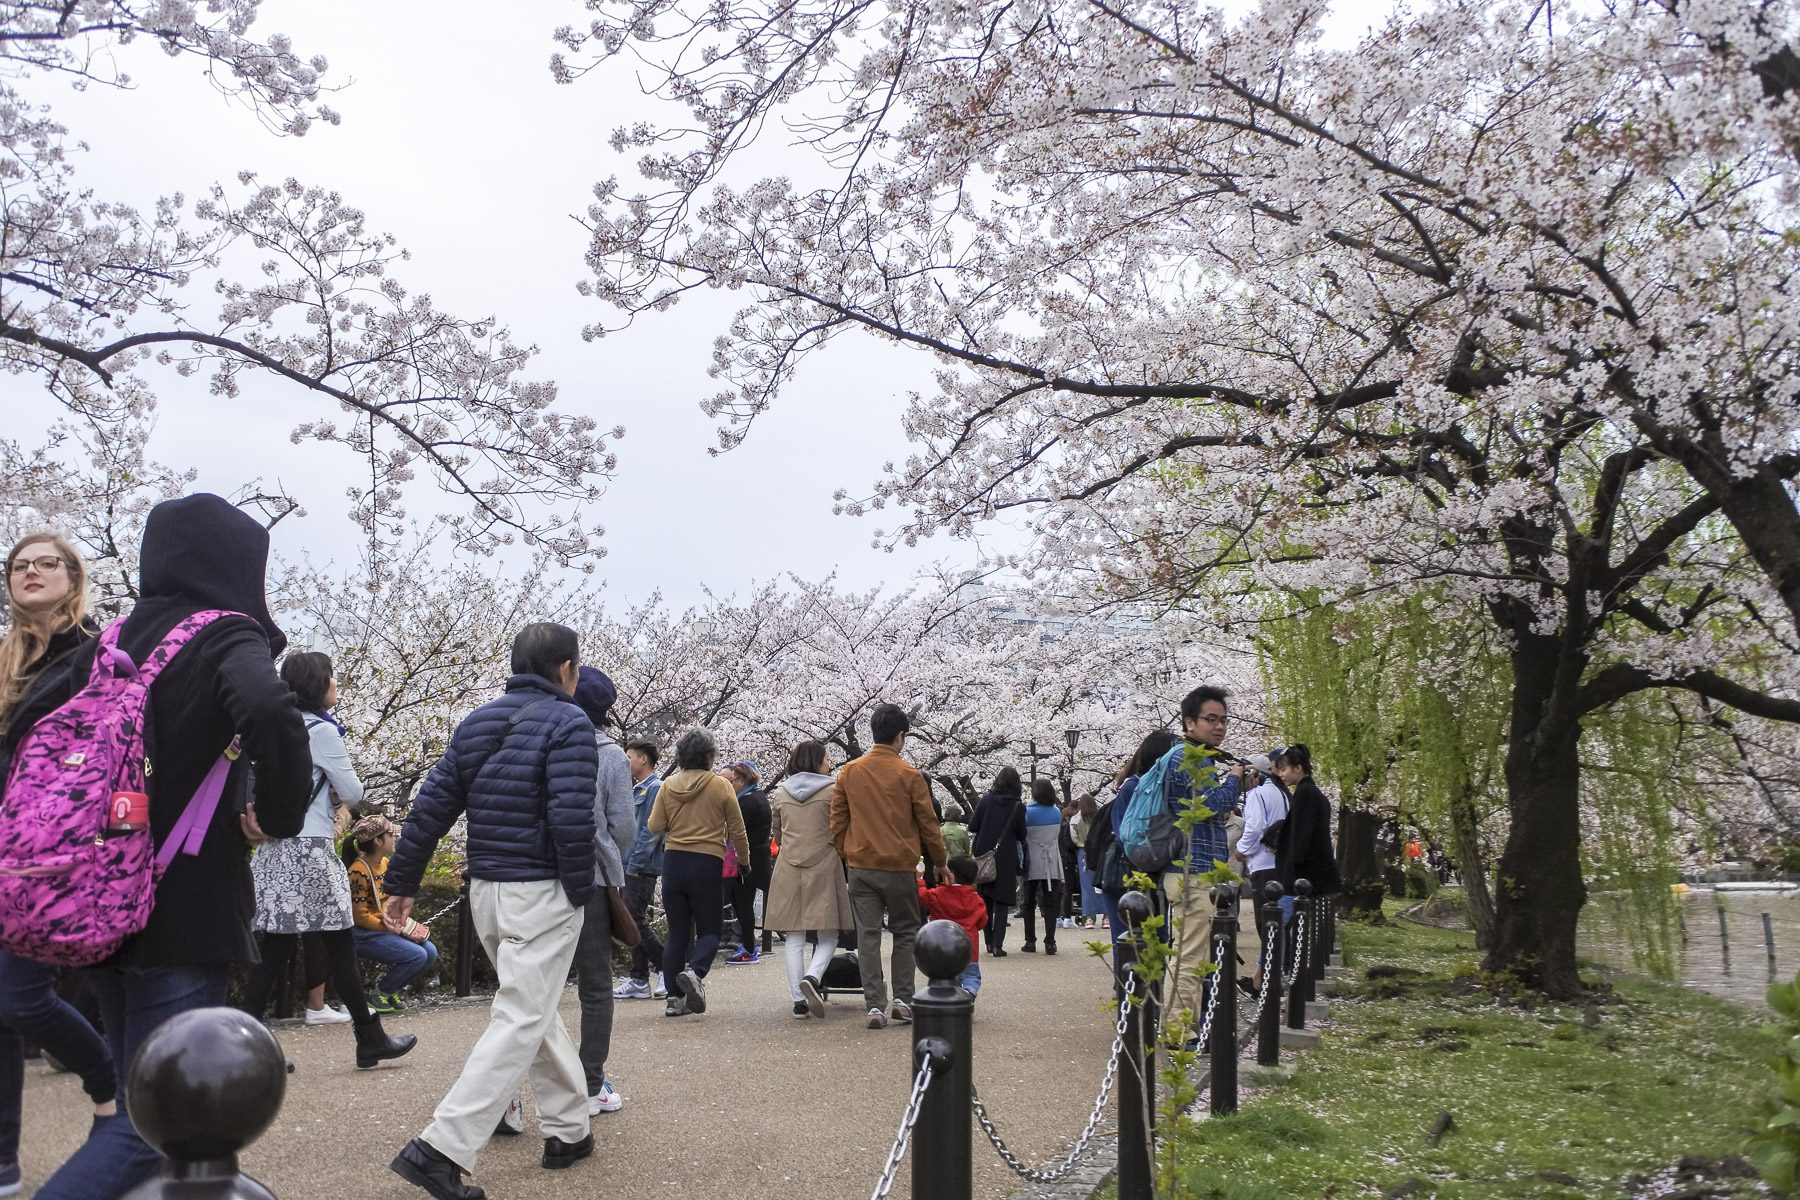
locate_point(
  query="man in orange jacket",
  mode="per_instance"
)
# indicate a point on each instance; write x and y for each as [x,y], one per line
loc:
[881,815]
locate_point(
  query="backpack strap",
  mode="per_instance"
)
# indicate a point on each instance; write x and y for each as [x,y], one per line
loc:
[190,828]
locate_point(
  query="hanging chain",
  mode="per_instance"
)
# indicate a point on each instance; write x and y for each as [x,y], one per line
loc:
[908,1119]
[1212,1001]
[1299,951]
[1079,1150]
[1270,978]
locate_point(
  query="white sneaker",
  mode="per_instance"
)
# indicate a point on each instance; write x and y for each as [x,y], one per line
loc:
[512,1121]
[877,1019]
[632,989]
[900,1012]
[605,1101]
[328,1016]
[658,988]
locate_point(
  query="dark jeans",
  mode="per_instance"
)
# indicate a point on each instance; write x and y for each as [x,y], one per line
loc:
[997,913]
[30,1008]
[694,902]
[340,953]
[594,988]
[647,954]
[1041,895]
[134,1001]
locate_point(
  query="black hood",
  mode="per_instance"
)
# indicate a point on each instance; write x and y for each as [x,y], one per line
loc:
[202,552]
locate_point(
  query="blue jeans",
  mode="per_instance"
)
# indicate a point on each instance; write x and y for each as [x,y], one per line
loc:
[134,1001]
[1090,899]
[30,1008]
[406,959]
[970,979]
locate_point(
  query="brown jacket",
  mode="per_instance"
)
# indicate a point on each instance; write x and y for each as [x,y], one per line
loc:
[698,812]
[881,814]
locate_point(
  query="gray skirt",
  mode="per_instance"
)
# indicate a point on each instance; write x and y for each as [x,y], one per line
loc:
[301,886]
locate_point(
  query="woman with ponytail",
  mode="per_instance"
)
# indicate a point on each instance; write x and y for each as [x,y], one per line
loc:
[47,596]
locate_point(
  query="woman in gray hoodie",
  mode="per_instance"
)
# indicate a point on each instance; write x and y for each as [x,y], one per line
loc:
[807,893]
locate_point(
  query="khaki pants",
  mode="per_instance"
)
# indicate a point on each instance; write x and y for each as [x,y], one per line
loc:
[1190,933]
[529,930]
[894,894]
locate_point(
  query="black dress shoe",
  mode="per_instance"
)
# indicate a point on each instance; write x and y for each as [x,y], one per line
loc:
[1029,947]
[422,1166]
[997,952]
[559,1154]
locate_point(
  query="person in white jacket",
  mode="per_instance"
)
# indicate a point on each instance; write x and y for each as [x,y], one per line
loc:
[1265,808]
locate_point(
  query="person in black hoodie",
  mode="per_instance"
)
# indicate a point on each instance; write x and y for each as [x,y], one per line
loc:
[199,552]
[999,826]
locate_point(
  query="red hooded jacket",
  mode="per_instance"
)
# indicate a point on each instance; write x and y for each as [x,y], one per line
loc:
[957,902]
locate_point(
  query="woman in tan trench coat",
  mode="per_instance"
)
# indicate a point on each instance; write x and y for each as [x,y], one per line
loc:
[808,891]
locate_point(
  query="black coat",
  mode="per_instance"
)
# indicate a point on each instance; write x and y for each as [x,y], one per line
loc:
[48,688]
[999,825]
[200,552]
[759,820]
[528,790]
[1304,849]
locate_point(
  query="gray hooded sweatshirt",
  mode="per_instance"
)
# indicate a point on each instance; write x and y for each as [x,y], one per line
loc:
[615,813]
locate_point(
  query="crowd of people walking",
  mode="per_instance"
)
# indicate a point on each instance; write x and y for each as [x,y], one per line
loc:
[572,836]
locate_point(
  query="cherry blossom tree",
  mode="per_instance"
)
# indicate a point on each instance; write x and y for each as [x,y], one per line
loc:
[95,294]
[1496,298]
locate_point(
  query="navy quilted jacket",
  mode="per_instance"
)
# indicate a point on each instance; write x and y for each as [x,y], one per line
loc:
[527,787]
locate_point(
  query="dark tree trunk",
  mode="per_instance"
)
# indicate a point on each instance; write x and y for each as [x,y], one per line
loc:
[1540,890]
[1359,863]
[1471,863]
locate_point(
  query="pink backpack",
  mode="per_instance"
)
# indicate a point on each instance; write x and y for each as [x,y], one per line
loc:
[72,889]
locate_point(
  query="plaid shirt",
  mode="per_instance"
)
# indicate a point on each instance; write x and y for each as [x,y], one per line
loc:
[1208,843]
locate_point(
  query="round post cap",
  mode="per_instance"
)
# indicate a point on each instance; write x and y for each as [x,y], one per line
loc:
[942,950]
[206,1083]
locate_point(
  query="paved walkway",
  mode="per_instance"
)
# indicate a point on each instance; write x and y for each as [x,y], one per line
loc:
[744,1102]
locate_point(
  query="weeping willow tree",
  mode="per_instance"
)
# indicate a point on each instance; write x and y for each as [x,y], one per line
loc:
[1404,703]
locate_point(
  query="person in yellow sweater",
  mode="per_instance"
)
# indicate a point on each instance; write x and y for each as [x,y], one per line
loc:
[408,952]
[697,813]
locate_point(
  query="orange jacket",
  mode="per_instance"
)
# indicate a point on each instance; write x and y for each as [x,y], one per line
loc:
[881,814]
[957,902]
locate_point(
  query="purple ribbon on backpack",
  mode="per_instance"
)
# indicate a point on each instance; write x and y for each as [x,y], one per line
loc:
[190,828]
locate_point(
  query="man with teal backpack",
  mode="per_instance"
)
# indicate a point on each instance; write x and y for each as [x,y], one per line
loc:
[1195,775]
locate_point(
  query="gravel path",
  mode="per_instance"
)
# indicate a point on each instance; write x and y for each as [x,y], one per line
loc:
[744,1101]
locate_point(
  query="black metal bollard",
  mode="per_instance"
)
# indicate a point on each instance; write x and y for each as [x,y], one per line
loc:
[465,942]
[205,1084]
[943,1140]
[1301,954]
[1223,1039]
[1136,1094]
[1268,1024]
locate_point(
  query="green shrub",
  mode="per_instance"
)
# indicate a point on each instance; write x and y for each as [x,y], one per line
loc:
[1775,1146]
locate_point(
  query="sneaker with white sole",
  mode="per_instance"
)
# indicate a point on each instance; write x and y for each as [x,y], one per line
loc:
[327,1016]
[632,989]
[694,988]
[900,1012]
[512,1121]
[657,988]
[605,1100]
[877,1019]
[10,1179]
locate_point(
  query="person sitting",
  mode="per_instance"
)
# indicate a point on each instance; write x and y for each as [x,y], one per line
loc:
[407,955]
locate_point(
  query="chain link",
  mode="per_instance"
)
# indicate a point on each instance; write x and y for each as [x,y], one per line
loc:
[1299,951]
[908,1119]
[1269,980]
[1079,1150]
[1212,1001]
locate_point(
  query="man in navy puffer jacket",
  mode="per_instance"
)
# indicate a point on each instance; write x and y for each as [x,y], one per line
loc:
[523,769]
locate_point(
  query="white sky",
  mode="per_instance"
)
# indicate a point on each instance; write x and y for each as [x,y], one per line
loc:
[456,140]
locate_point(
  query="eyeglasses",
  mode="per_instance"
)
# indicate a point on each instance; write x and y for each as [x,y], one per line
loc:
[1212,719]
[45,566]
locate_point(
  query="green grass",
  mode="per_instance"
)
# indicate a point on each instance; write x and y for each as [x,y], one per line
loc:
[1539,1096]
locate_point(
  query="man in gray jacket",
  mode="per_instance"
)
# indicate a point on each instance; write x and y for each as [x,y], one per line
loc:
[615,825]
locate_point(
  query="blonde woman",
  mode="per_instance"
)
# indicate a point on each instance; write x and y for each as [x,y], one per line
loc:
[47,598]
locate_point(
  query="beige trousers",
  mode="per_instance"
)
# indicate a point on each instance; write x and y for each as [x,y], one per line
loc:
[529,931]
[1190,933]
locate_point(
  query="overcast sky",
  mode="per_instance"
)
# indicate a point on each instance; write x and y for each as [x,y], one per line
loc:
[456,140]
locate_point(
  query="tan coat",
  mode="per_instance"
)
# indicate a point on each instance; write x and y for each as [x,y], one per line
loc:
[698,812]
[881,816]
[807,891]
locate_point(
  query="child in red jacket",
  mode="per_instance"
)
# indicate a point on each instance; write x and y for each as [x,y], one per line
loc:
[959,902]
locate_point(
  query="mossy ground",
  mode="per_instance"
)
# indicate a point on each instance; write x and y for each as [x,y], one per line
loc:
[1606,1098]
